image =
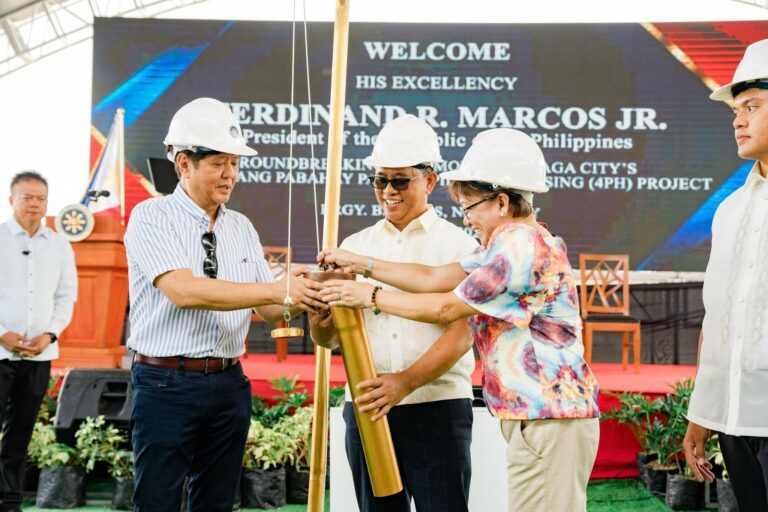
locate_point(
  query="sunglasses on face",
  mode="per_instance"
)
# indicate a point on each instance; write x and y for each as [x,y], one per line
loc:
[210,264]
[381,182]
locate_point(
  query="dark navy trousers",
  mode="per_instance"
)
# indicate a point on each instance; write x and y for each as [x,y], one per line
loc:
[188,424]
[432,442]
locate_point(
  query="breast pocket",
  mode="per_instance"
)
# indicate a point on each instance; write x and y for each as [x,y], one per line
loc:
[246,269]
[243,264]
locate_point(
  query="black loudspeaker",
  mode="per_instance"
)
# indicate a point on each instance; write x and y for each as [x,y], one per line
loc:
[93,392]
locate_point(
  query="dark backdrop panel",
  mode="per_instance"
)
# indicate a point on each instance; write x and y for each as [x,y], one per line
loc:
[614,188]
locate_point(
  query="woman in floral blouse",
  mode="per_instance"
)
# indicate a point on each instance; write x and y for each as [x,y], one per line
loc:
[519,294]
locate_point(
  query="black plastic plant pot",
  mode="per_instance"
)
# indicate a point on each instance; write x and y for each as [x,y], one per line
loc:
[122,493]
[684,493]
[61,487]
[726,499]
[644,458]
[297,485]
[657,478]
[263,488]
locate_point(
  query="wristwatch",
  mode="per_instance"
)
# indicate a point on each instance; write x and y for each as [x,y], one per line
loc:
[368,268]
[53,336]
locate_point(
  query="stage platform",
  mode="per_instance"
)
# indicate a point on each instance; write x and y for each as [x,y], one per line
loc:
[616,453]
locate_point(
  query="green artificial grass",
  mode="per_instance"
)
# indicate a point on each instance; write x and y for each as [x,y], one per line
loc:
[622,495]
[99,495]
[602,496]
[105,508]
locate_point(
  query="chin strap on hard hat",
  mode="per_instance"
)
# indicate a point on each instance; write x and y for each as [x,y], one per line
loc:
[200,150]
[526,194]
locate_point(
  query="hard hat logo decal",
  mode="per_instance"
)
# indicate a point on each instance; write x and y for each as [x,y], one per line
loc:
[208,123]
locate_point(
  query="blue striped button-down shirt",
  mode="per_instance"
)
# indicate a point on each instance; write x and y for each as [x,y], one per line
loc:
[163,235]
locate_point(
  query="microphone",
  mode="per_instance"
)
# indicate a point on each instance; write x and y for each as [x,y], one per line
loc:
[95,194]
[26,253]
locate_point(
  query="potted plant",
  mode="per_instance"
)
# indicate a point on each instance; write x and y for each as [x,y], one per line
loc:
[96,441]
[263,479]
[100,442]
[121,470]
[62,477]
[40,437]
[726,499]
[660,444]
[45,415]
[665,434]
[336,396]
[637,411]
[292,397]
[683,491]
[298,428]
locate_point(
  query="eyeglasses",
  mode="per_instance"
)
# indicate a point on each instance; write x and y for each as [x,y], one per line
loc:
[466,210]
[381,182]
[210,264]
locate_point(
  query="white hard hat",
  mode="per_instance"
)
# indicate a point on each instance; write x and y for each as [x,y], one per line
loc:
[208,124]
[752,68]
[404,142]
[504,158]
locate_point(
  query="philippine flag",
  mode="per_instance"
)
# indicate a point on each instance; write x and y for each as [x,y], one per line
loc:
[108,175]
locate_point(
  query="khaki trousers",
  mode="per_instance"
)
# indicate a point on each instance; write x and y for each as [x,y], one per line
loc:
[549,462]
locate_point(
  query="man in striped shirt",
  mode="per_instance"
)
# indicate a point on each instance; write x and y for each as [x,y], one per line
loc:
[196,269]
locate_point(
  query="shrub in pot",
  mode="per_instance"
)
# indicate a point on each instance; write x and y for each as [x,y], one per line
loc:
[665,434]
[263,479]
[291,397]
[637,411]
[45,414]
[121,469]
[62,477]
[98,441]
[43,434]
[298,428]
[726,499]
[684,492]
[656,471]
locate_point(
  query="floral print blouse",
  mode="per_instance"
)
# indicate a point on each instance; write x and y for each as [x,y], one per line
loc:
[528,332]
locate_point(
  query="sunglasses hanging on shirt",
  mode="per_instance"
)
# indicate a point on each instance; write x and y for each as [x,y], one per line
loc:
[210,263]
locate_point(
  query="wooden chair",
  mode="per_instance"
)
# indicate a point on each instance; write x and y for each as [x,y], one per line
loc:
[279,261]
[604,295]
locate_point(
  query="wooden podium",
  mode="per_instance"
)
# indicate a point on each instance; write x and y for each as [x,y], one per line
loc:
[92,339]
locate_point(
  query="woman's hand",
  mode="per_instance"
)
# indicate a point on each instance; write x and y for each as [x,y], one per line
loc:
[351,294]
[304,293]
[342,259]
[321,328]
[387,390]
